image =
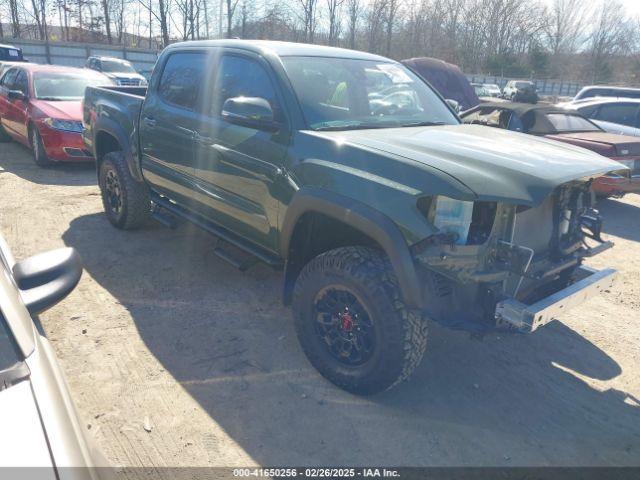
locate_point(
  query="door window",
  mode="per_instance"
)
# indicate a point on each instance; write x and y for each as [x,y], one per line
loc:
[622,113]
[181,79]
[9,78]
[242,77]
[21,83]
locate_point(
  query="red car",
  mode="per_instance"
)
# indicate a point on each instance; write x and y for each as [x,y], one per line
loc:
[40,107]
[568,126]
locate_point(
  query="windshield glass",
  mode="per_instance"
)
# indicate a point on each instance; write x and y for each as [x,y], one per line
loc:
[340,94]
[571,123]
[64,86]
[113,66]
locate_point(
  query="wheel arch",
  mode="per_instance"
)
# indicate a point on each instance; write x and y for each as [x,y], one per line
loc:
[110,137]
[364,225]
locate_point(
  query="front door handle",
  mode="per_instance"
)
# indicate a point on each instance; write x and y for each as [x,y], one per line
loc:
[204,140]
[149,121]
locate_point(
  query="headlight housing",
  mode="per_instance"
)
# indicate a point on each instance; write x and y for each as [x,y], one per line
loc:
[449,216]
[74,126]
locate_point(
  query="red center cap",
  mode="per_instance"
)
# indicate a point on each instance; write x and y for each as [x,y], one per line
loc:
[347,321]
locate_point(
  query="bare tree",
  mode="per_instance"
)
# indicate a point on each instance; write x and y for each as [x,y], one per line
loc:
[333,9]
[611,34]
[309,18]
[354,10]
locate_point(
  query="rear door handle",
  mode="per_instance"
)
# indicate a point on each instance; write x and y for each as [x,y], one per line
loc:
[204,140]
[149,121]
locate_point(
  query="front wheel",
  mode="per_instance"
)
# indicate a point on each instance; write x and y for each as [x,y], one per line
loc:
[352,322]
[37,147]
[126,200]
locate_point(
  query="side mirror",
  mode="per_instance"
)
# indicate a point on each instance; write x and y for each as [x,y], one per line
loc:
[453,104]
[252,112]
[16,95]
[45,279]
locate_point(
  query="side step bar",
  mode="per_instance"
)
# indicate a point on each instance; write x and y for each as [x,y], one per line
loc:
[221,233]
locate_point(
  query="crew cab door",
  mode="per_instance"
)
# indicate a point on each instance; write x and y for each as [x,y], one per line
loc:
[168,120]
[237,168]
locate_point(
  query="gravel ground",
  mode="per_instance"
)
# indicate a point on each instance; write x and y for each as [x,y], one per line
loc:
[174,358]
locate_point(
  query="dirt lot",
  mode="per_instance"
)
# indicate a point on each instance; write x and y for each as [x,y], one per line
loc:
[161,333]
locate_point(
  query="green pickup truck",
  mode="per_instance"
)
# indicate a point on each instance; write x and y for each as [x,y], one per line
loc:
[350,173]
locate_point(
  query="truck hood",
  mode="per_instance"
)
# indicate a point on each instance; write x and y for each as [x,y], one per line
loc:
[495,164]
[22,440]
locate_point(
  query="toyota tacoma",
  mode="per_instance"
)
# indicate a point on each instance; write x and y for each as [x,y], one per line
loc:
[352,175]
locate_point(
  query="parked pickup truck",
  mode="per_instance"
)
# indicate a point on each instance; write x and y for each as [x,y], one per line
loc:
[351,174]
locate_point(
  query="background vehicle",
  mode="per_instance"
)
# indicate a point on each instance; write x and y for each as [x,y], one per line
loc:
[40,427]
[117,69]
[349,172]
[492,89]
[606,91]
[40,108]
[9,53]
[614,115]
[569,127]
[447,79]
[520,91]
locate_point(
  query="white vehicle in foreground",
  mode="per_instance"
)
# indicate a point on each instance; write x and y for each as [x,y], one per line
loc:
[39,425]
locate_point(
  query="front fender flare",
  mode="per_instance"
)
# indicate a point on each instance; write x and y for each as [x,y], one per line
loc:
[369,221]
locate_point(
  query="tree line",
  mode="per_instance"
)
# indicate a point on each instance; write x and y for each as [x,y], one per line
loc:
[572,39]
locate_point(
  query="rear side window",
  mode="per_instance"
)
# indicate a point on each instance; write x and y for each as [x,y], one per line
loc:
[181,79]
[622,113]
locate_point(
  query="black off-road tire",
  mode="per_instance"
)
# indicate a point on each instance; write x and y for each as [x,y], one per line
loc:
[37,147]
[400,334]
[4,136]
[129,207]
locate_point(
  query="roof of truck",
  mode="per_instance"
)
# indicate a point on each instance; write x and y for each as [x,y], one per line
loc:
[282,49]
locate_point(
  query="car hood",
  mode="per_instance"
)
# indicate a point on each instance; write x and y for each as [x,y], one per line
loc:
[123,76]
[68,110]
[497,165]
[22,440]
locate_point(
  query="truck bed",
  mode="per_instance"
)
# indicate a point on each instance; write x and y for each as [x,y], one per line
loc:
[118,106]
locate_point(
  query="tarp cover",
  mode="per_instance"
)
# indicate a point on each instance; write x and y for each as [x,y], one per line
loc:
[446,78]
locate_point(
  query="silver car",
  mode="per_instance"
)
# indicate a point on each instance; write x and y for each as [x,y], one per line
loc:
[39,424]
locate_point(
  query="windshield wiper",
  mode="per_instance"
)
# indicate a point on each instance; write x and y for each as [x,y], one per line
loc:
[422,124]
[359,126]
[50,99]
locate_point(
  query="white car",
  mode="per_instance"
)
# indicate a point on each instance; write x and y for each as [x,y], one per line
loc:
[39,426]
[614,115]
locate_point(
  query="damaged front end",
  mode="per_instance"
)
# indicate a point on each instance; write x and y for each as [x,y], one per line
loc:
[510,266]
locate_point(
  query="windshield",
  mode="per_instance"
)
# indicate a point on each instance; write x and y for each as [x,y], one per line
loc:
[340,94]
[571,123]
[64,86]
[113,66]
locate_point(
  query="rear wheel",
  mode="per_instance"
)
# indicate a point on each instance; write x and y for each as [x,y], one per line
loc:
[126,200]
[352,322]
[37,147]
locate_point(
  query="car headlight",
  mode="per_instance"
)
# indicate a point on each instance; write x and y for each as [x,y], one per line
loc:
[452,216]
[143,82]
[64,125]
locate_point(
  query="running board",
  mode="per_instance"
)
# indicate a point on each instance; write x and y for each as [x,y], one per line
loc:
[221,233]
[164,217]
